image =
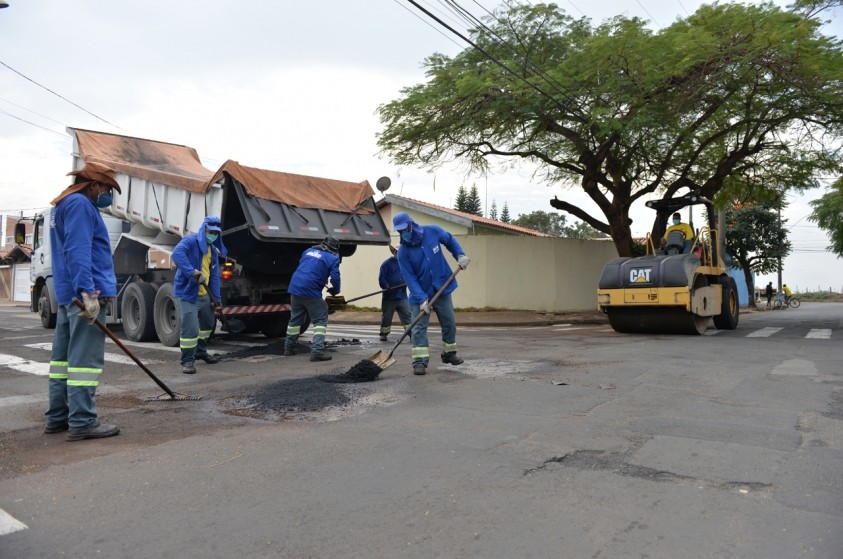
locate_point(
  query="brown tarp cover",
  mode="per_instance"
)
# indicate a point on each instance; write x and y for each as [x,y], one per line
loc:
[179,166]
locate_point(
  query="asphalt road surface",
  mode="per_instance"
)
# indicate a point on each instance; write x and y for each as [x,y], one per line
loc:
[549,442]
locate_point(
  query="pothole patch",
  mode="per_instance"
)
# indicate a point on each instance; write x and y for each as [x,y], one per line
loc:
[493,368]
[308,399]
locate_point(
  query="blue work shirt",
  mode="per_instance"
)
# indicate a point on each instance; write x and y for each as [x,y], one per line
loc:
[311,275]
[390,275]
[423,265]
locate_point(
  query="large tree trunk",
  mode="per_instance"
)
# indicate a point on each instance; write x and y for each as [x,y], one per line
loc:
[750,285]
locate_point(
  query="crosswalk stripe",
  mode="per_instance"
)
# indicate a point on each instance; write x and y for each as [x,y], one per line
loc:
[819,334]
[763,333]
[25,365]
[110,357]
[9,523]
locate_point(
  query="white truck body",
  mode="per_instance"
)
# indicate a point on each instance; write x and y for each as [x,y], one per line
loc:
[268,219]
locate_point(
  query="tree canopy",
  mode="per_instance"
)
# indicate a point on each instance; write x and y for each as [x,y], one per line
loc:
[555,224]
[756,239]
[828,215]
[624,113]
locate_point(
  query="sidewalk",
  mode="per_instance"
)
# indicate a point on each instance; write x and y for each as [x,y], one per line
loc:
[484,318]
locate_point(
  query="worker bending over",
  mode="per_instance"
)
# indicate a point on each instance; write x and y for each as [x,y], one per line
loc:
[426,270]
[316,266]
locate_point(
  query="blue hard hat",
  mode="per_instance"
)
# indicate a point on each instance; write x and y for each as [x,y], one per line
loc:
[401,221]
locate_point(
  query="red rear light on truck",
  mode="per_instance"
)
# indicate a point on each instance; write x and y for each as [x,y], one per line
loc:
[227,271]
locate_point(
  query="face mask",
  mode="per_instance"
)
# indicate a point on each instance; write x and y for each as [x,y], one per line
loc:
[211,237]
[676,222]
[407,236]
[103,200]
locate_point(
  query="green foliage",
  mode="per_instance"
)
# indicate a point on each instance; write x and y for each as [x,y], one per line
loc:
[556,225]
[473,205]
[505,213]
[462,197]
[743,95]
[493,211]
[756,237]
[828,215]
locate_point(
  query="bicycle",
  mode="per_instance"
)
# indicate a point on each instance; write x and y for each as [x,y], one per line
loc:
[792,301]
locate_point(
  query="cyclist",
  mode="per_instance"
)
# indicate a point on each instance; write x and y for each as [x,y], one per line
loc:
[787,294]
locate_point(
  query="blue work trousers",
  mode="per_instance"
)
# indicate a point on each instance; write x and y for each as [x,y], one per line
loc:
[197,323]
[388,309]
[318,311]
[444,309]
[76,364]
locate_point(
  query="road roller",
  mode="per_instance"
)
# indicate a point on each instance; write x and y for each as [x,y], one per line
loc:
[678,287]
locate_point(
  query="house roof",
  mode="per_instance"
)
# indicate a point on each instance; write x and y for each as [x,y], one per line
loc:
[21,252]
[461,218]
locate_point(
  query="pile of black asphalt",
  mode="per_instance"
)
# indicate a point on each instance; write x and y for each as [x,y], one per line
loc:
[303,395]
[364,371]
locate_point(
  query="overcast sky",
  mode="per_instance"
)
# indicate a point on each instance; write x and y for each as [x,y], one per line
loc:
[286,85]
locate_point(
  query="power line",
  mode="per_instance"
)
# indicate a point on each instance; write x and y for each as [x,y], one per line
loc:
[57,95]
[32,123]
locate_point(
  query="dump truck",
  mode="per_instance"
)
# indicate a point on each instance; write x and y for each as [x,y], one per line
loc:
[268,219]
[674,288]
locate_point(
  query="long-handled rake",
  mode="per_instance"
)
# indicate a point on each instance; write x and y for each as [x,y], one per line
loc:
[171,396]
[368,369]
[338,302]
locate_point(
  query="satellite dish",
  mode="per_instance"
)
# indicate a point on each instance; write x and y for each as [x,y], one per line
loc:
[383,184]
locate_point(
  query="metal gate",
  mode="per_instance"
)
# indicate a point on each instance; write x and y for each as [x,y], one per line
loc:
[20,291]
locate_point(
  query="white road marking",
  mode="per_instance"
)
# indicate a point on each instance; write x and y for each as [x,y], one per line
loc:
[24,365]
[763,333]
[110,357]
[819,334]
[9,523]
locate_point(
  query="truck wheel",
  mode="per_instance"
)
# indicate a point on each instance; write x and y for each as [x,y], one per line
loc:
[45,309]
[730,309]
[276,326]
[136,310]
[167,317]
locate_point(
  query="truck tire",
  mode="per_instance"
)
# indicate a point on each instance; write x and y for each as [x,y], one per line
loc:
[729,309]
[166,315]
[276,326]
[136,311]
[45,308]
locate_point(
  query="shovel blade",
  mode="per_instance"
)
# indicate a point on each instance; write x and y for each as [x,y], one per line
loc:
[382,359]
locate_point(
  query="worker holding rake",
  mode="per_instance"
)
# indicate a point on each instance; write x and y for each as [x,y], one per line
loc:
[394,299]
[425,270]
[83,270]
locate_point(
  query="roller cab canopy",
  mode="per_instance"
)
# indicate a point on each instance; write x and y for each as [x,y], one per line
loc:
[166,188]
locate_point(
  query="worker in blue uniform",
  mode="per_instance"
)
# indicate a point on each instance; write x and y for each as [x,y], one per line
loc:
[316,266]
[197,260]
[425,269]
[83,269]
[394,299]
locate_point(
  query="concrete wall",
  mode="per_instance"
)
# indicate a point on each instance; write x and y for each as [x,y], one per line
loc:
[506,272]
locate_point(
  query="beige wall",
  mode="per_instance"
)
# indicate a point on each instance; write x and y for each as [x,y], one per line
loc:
[506,272]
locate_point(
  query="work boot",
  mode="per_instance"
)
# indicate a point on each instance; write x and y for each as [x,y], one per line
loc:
[320,357]
[188,368]
[419,369]
[96,431]
[451,358]
[290,352]
[208,358]
[53,428]
[383,337]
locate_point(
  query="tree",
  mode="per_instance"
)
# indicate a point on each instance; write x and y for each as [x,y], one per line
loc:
[756,240]
[493,211]
[473,205]
[462,197]
[548,223]
[623,112]
[582,230]
[828,215]
[505,213]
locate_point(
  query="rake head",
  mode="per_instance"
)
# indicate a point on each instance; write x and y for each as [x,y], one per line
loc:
[176,397]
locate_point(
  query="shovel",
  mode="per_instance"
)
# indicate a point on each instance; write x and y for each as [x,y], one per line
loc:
[384,360]
[338,302]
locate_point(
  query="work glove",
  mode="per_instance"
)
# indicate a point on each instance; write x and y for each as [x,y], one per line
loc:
[463,261]
[333,291]
[425,307]
[218,309]
[199,277]
[92,307]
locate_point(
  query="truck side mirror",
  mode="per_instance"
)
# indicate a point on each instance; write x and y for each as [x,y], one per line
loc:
[20,233]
